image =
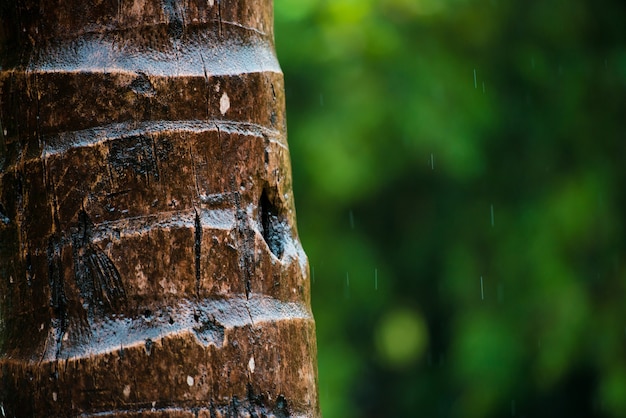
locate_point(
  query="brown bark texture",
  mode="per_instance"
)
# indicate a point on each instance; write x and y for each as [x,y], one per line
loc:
[149,258]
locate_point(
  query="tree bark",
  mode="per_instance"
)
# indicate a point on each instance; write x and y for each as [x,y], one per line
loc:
[149,258]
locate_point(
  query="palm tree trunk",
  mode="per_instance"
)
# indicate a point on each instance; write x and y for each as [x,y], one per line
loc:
[149,258]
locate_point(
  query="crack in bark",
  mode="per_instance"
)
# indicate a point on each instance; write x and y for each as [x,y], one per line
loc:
[197,249]
[208,89]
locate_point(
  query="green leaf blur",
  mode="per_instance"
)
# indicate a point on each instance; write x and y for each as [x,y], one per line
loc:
[461,196]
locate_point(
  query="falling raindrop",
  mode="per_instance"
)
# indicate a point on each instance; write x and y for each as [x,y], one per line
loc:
[482,289]
[475,81]
[432,161]
[351,220]
[492,217]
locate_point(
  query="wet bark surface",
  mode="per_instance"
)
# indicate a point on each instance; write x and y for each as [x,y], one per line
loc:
[149,258]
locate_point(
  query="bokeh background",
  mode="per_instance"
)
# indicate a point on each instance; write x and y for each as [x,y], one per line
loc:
[460,186]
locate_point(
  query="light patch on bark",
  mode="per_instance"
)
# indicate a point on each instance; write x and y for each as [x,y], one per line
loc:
[224,103]
[142,279]
[168,286]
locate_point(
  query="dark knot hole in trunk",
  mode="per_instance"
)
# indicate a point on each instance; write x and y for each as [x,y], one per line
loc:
[271,224]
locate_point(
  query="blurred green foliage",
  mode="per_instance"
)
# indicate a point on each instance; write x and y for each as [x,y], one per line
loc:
[461,196]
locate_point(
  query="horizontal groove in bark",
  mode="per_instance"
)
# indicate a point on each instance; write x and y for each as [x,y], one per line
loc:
[208,321]
[56,145]
[143,50]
